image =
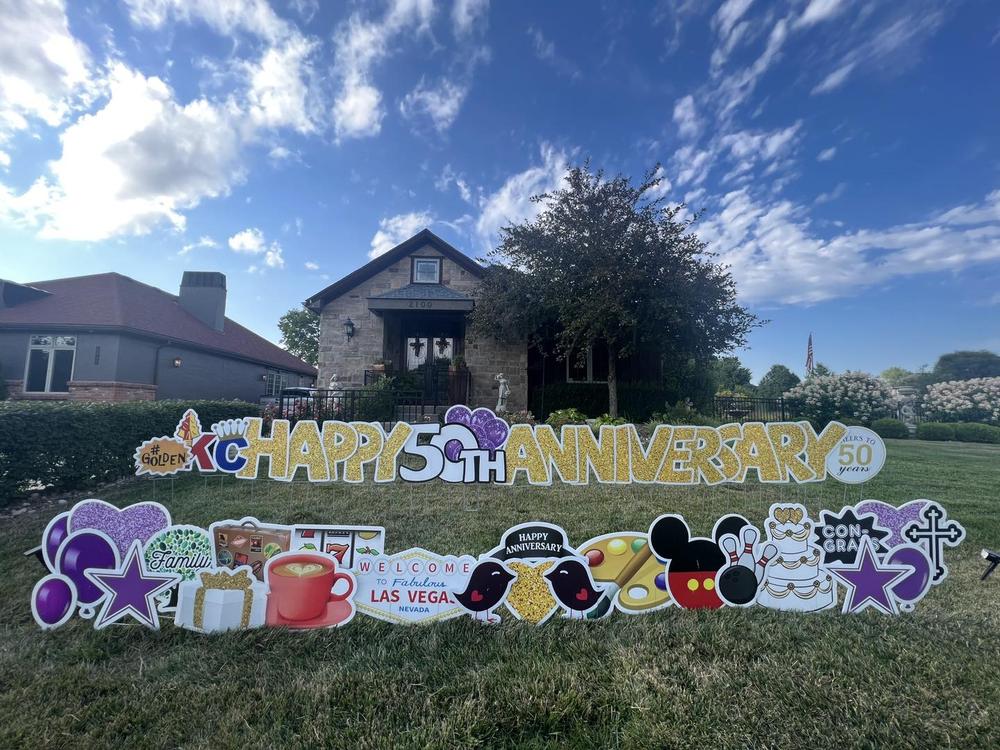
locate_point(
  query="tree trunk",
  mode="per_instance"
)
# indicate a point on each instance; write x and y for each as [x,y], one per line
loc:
[612,382]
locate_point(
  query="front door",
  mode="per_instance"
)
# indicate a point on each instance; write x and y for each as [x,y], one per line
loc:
[428,344]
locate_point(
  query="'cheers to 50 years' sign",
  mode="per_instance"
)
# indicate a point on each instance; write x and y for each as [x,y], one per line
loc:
[477,446]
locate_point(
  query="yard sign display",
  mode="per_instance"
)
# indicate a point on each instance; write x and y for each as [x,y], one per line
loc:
[114,566]
[476,446]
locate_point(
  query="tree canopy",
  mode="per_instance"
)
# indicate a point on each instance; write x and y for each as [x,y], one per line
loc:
[965,365]
[300,334]
[729,374]
[777,381]
[605,261]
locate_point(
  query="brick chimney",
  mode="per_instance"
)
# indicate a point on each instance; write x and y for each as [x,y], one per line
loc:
[203,294]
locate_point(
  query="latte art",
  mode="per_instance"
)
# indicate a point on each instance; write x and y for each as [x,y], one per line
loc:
[300,570]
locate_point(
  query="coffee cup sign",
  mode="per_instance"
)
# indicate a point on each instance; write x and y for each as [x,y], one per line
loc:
[858,456]
[306,591]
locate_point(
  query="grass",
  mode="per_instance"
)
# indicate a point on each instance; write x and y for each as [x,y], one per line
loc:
[731,678]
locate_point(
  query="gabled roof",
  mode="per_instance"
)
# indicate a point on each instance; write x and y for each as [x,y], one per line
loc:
[417,241]
[111,301]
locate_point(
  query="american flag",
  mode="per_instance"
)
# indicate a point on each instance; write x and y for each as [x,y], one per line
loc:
[809,355]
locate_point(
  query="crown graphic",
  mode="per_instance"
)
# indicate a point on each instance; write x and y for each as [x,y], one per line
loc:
[230,429]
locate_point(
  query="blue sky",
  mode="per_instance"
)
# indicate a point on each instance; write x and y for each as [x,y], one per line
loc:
[843,153]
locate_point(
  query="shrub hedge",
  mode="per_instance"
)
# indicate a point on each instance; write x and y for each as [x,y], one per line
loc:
[636,401]
[935,431]
[71,445]
[975,432]
[890,428]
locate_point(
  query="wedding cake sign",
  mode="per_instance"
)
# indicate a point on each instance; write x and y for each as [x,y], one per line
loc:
[794,579]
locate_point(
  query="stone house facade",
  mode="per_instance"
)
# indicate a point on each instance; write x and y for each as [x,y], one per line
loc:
[406,311]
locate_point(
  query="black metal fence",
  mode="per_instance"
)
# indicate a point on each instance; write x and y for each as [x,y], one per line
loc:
[751,409]
[357,405]
[439,384]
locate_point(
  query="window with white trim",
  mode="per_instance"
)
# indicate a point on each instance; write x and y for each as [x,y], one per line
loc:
[49,367]
[426,270]
[275,383]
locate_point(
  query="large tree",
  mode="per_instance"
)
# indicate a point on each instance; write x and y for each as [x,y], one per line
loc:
[967,365]
[729,374]
[777,381]
[300,334]
[607,262]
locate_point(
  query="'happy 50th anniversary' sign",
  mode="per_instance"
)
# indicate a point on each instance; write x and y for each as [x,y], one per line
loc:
[477,446]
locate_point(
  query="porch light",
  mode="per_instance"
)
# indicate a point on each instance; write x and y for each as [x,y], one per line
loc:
[177,361]
[349,329]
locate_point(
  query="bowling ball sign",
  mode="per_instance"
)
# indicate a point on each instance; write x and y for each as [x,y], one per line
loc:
[858,456]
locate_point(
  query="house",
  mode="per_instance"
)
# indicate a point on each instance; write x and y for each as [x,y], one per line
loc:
[108,337]
[406,311]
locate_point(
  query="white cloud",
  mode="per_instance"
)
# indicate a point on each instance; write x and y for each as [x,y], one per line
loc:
[203,242]
[224,16]
[827,154]
[279,94]
[439,104]
[311,266]
[776,257]
[835,79]
[4,159]
[359,45]
[467,15]
[730,29]
[820,10]
[139,161]
[663,188]
[249,240]
[45,72]
[832,195]
[448,177]
[395,229]
[511,203]
[685,117]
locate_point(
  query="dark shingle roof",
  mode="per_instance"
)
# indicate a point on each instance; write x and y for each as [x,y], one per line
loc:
[421,238]
[422,291]
[114,301]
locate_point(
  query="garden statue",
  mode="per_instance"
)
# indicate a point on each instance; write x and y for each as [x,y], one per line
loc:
[503,390]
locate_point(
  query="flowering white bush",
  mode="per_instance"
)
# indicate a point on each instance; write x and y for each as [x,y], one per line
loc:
[855,396]
[976,400]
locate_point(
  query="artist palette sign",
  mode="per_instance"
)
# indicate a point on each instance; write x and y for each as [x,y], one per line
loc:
[477,446]
[113,566]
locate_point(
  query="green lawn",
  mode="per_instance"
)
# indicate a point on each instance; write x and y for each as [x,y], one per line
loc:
[731,678]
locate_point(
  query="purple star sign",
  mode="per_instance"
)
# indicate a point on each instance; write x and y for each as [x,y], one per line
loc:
[869,581]
[131,591]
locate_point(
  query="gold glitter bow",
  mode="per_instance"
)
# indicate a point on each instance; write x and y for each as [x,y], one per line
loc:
[225,581]
[786,515]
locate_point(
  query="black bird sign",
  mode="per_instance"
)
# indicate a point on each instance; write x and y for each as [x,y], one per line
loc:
[573,587]
[488,586]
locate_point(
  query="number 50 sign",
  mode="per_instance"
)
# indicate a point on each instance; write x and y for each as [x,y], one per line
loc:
[858,457]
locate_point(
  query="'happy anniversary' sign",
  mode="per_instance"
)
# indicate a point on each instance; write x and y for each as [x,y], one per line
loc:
[476,446]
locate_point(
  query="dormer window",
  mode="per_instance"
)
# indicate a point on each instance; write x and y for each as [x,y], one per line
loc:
[426,270]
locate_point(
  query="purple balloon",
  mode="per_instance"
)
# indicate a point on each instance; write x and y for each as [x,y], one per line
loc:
[82,551]
[913,586]
[55,534]
[52,601]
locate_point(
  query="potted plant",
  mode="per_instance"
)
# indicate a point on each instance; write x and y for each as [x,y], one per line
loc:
[457,363]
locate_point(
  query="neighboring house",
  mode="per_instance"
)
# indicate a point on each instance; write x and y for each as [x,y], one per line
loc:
[108,337]
[408,309]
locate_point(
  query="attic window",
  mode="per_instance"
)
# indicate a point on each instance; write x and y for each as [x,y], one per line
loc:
[426,270]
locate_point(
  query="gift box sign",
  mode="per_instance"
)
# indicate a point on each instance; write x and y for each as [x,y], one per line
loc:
[216,602]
